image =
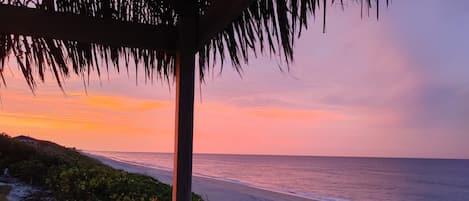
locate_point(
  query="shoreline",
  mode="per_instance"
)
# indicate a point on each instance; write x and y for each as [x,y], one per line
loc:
[210,189]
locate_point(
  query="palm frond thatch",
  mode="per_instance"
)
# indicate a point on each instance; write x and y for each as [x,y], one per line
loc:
[266,26]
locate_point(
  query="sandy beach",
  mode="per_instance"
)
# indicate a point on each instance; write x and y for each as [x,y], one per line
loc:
[210,189]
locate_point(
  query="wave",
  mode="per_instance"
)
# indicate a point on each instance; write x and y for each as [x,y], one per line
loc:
[136,163]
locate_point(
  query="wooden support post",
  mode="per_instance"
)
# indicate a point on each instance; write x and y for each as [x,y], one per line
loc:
[185,77]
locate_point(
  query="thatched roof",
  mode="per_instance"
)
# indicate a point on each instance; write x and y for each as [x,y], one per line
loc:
[269,26]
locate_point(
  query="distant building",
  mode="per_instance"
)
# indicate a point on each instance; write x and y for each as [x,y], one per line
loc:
[5,172]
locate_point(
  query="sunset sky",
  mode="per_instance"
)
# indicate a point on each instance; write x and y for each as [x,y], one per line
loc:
[397,87]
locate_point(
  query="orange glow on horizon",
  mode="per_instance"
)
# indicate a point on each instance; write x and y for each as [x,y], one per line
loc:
[79,119]
[124,103]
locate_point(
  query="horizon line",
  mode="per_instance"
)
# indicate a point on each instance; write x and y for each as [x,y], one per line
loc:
[289,155]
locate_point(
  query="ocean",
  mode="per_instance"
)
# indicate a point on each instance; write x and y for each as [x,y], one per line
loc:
[327,178]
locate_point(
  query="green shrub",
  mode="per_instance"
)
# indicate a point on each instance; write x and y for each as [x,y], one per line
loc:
[72,176]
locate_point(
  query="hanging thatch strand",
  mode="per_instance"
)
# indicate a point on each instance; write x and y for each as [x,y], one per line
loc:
[266,26]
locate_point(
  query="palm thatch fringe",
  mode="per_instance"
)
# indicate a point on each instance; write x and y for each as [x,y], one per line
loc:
[266,26]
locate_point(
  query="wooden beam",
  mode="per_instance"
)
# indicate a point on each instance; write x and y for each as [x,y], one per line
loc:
[71,27]
[185,79]
[220,14]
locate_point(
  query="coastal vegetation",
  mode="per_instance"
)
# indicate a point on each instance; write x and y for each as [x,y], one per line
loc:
[70,175]
[4,190]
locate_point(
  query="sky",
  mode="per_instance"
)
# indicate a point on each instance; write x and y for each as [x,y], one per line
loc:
[393,87]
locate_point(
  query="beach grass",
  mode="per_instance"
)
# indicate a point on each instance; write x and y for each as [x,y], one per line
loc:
[4,190]
[70,175]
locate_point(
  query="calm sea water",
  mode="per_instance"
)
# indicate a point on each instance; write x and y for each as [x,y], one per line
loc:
[329,178]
